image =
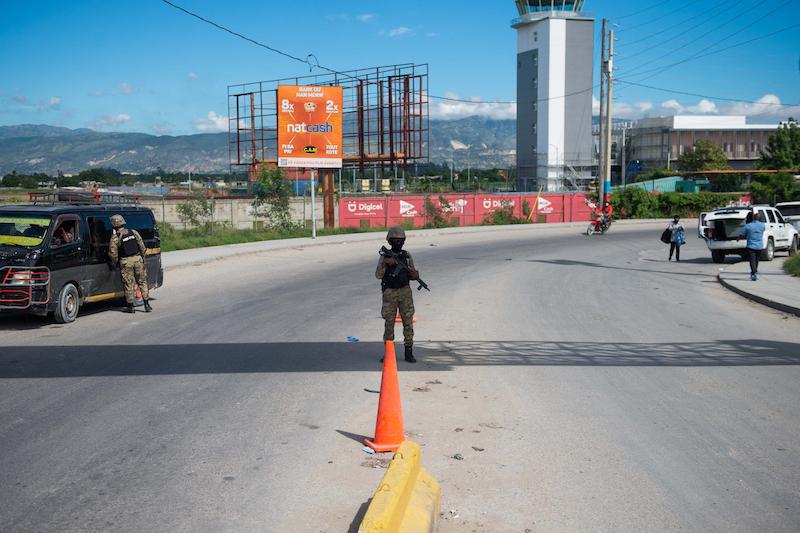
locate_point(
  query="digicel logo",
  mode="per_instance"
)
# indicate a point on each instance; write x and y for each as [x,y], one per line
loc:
[407,209]
[310,128]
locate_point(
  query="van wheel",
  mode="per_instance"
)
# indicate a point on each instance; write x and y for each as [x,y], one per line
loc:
[69,302]
[768,253]
[717,256]
[794,246]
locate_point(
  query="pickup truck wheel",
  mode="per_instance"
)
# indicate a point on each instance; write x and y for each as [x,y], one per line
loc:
[717,256]
[768,253]
[794,246]
[69,302]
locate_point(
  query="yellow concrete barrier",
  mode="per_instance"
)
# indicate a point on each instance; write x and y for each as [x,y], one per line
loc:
[407,500]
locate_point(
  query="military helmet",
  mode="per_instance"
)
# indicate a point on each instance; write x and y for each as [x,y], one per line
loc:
[117,221]
[396,233]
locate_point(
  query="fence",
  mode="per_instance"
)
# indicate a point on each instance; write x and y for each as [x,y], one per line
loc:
[463,209]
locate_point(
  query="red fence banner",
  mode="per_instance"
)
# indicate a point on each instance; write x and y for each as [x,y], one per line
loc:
[463,209]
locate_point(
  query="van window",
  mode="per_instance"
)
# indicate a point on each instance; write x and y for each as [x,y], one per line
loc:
[24,230]
[99,237]
[143,223]
[66,232]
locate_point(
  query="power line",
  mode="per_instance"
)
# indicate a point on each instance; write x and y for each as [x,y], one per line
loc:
[656,46]
[643,10]
[673,27]
[712,52]
[653,20]
[705,95]
[311,65]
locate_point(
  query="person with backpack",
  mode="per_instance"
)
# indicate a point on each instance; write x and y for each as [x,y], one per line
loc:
[677,238]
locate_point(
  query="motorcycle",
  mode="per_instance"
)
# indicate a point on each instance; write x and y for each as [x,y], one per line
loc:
[598,226]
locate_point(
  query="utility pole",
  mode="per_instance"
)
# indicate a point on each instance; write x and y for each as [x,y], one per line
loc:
[601,153]
[609,86]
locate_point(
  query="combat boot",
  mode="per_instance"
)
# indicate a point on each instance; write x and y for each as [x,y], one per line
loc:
[130,309]
[147,307]
[410,355]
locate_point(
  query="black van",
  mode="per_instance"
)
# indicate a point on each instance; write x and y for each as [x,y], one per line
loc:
[54,258]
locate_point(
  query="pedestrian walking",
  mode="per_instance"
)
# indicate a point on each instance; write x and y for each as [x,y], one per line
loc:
[677,238]
[127,248]
[754,233]
[395,270]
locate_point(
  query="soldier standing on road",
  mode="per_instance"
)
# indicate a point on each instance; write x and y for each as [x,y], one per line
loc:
[127,248]
[397,293]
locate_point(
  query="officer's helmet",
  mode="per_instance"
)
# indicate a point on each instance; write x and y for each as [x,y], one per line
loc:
[396,233]
[117,221]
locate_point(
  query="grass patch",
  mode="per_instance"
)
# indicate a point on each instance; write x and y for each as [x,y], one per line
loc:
[792,266]
[172,239]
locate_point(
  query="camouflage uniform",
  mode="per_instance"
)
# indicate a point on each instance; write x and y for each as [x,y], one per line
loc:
[401,299]
[131,268]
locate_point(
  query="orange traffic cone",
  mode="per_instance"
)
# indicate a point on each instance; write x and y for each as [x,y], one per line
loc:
[399,320]
[389,433]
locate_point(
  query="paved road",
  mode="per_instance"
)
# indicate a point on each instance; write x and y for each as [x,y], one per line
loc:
[589,385]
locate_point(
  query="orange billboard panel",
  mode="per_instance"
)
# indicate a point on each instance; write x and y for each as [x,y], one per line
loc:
[309,126]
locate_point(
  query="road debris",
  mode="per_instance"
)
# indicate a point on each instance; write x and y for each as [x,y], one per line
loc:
[434,382]
[458,457]
[368,450]
[350,338]
[422,389]
[377,462]
[458,430]
[478,449]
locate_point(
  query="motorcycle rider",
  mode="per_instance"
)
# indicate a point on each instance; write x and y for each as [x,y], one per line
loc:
[606,213]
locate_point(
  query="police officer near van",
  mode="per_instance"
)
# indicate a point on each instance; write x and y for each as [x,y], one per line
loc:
[397,295]
[127,248]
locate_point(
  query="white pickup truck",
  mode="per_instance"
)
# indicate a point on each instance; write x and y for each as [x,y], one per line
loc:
[790,212]
[722,228]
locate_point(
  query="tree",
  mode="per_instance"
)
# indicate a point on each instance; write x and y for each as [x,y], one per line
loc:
[773,188]
[704,155]
[782,151]
[195,211]
[272,193]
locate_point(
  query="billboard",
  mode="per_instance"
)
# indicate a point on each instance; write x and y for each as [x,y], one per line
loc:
[309,126]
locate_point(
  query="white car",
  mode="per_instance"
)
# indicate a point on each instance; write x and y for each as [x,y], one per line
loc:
[790,212]
[722,231]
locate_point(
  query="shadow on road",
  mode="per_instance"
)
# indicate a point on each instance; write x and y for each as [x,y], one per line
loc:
[179,359]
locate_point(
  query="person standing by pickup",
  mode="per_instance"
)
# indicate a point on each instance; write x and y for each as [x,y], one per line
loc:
[754,233]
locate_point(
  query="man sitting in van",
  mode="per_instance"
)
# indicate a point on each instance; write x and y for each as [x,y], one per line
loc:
[64,234]
[127,248]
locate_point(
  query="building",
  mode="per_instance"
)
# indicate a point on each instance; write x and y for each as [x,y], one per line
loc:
[659,142]
[554,93]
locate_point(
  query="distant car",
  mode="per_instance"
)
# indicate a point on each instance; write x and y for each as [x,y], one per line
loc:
[722,229]
[790,212]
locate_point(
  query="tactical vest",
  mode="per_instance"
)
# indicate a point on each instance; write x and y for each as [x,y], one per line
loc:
[128,246]
[400,280]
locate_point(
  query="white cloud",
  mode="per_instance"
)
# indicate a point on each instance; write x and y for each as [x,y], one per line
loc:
[49,104]
[212,123]
[431,34]
[54,102]
[397,32]
[449,110]
[366,17]
[107,121]
[192,76]
[21,100]
[125,88]
[766,108]
[97,94]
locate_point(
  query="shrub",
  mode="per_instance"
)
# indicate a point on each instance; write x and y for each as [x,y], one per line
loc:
[792,266]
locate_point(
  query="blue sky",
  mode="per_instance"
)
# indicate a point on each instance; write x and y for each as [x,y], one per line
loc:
[127,65]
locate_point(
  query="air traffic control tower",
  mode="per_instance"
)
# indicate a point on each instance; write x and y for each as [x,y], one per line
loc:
[554,93]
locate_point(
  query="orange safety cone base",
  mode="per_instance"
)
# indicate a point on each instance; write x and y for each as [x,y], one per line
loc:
[381,448]
[389,434]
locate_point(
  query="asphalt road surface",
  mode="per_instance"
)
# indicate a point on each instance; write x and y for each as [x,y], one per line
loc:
[589,385]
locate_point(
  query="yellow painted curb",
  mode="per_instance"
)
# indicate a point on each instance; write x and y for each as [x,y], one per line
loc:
[407,499]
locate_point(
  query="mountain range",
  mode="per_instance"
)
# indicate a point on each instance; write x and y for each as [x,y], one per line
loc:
[474,141]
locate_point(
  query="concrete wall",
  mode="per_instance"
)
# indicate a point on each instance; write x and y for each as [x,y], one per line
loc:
[238,212]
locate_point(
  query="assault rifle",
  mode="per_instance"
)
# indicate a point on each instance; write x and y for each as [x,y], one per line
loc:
[400,266]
